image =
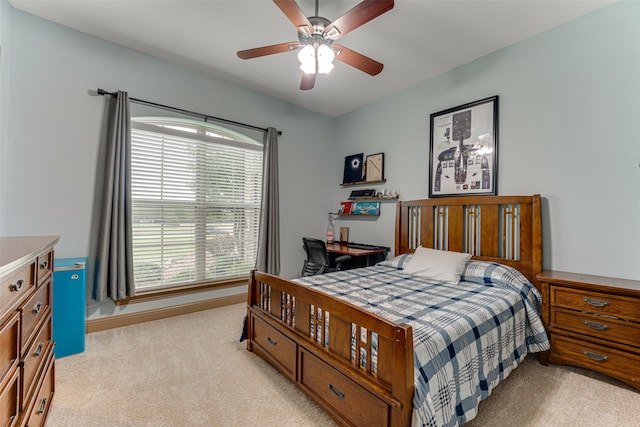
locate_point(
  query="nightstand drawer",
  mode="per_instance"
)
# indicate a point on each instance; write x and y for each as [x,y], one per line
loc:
[597,326]
[598,358]
[276,345]
[596,302]
[347,397]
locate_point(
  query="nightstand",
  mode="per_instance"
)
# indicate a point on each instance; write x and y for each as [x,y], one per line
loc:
[593,322]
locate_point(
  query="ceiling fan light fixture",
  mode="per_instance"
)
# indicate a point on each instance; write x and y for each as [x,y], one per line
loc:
[305,30]
[332,34]
[307,58]
[325,59]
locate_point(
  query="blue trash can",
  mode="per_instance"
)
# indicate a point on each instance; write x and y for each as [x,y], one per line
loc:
[69,290]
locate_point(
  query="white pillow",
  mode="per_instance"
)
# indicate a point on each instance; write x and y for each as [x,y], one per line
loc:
[443,266]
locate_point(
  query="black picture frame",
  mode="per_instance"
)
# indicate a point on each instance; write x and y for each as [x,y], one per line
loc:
[353,168]
[463,150]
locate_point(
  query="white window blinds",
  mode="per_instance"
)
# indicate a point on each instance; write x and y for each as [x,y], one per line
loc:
[195,204]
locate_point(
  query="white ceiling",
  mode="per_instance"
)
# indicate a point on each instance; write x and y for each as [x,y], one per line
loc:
[416,40]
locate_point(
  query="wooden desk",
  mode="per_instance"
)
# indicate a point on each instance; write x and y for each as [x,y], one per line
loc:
[345,249]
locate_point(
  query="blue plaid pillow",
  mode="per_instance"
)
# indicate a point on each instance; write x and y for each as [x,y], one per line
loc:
[397,262]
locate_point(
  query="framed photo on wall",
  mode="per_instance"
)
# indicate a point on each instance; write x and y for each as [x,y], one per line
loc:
[374,167]
[353,168]
[463,150]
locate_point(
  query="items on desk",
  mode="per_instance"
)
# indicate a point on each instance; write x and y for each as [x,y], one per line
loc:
[331,234]
[344,234]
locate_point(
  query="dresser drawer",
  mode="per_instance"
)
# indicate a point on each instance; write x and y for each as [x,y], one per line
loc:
[9,400]
[15,286]
[41,403]
[33,359]
[596,302]
[45,266]
[331,387]
[275,346]
[33,311]
[597,326]
[9,345]
[596,357]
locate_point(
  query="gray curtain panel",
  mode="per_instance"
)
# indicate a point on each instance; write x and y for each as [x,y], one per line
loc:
[268,259]
[114,263]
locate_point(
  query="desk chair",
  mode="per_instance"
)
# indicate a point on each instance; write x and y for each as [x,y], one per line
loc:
[317,261]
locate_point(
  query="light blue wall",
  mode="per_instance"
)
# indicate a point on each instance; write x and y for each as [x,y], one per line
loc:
[51,143]
[569,108]
[569,101]
[5,53]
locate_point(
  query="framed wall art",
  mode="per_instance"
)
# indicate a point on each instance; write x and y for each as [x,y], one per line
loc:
[463,150]
[374,167]
[353,168]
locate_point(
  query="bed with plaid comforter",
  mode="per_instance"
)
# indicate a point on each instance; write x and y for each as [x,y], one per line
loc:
[467,337]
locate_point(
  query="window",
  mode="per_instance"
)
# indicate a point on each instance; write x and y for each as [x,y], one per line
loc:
[195,192]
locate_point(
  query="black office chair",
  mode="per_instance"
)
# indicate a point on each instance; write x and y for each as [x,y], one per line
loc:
[318,261]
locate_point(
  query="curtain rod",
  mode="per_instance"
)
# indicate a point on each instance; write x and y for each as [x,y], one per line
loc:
[192,113]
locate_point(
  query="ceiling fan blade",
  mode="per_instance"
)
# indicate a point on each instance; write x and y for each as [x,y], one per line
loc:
[308,81]
[357,60]
[297,17]
[267,50]
[360,14]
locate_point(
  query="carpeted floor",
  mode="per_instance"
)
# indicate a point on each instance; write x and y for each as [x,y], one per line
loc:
[192,371]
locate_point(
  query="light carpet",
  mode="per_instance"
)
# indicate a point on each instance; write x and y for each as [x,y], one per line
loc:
[191,370]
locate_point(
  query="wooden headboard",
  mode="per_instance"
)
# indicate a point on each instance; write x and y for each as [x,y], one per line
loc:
[504,229]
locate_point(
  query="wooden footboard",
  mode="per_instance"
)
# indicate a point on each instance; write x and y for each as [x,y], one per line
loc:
[357,366]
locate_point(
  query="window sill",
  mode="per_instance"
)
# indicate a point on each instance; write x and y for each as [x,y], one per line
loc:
[158,294]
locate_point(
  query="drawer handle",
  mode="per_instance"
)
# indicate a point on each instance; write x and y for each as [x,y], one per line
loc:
[335,391]
[44,264]
[595,356]
[15,287]
[272,342]
[596,302]
[38,350]
[43,406]
[36,308]
[596,326]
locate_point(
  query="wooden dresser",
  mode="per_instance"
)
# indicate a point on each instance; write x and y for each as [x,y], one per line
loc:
[593,322]
[26,347]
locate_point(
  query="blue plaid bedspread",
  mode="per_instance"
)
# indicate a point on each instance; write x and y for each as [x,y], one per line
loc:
[467,337]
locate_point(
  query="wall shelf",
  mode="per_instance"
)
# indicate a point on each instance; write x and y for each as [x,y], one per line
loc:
[352,214]
[350,184]
[375,199]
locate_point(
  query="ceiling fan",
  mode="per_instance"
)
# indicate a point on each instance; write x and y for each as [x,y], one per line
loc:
[317,36]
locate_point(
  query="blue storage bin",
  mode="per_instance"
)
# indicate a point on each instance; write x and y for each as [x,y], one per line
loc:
[69,290]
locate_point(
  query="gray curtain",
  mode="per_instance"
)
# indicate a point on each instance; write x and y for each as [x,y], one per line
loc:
[114,263]
[268,259]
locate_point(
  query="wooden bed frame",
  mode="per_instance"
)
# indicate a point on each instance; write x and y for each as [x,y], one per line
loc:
[287,322]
